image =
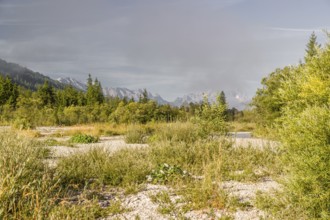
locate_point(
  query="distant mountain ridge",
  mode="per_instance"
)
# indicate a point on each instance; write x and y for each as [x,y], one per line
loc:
[73,82]
[135,94]
[235,99]
[114,92]
[25,77]
[31,80]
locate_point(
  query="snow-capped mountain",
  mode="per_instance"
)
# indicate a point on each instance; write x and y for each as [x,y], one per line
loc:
[129,94]
[73,82]
[234,99]
[114,92]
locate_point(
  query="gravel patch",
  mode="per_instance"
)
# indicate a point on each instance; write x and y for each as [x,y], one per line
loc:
[246,192]
[254,142]
[140,205]
[111,144]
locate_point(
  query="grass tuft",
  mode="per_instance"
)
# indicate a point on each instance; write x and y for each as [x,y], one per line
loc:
[83,139]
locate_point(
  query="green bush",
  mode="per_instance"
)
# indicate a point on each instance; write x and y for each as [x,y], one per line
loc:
[306,146]
[211,119]
[83,139]
[165,172]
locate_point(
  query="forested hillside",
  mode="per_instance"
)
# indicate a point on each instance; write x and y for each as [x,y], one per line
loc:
[25,77]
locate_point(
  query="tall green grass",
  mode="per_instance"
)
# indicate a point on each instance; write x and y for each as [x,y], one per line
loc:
[198,164]
[27,187]
[97,166]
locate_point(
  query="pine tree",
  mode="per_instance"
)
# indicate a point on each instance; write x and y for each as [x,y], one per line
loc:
[8,92]
[222,98]
[98,91]
[94,94]
[312,47]
[46,94]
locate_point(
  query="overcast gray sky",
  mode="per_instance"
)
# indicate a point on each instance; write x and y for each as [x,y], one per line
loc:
[170,47]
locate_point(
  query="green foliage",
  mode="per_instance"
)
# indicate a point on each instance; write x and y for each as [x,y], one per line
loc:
[8,92]
[83,139]
[134,112]
[122,168]
[268,101]
[48,107]
[22,124]
[211,118]
[46,94]
[165,172]
[312,48]
[70,97]
[249,163]
[306,146]
[175,132]
[94,94]
[26,185]
[90,210]
[296,102]
[138,134]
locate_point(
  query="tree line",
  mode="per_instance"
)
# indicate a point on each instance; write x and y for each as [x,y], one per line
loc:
[50,106]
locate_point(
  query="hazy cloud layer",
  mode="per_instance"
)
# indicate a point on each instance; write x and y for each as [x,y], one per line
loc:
[171,47]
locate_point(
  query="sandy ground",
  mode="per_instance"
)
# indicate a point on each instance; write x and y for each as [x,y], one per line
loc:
[140,205]
[111,144]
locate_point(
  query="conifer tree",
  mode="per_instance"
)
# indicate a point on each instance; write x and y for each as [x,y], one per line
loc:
[46,94]
[8,92]
[312,47]
[94,94]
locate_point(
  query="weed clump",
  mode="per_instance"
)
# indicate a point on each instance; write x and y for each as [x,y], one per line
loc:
[138,134]
[83,139]
[165,172]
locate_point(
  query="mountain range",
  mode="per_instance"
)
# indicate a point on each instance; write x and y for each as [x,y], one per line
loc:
[31,80]
[234,99]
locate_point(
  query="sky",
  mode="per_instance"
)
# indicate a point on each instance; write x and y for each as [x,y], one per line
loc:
[169,47]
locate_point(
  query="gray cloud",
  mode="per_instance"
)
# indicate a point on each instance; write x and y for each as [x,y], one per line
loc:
[170,47]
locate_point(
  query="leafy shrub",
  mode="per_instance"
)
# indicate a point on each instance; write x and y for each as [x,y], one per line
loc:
[165,172]
[83,139]
[306,146]
[211,118]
